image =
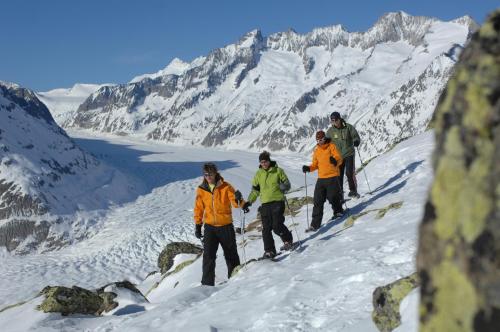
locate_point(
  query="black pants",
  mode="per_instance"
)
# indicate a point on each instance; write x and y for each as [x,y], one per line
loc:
[328,188]
[212,236]
[273,220]
[348,166]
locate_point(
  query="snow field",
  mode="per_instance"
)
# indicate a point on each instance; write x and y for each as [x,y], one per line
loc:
[326,285]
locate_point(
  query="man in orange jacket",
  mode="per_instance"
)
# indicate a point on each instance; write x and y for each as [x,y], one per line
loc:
[212,207]
[326,159]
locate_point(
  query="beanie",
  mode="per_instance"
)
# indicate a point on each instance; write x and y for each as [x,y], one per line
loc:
[335,116]
[265,156]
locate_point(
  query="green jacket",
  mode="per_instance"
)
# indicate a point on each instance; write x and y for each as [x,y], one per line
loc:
[344,138]
[266,184]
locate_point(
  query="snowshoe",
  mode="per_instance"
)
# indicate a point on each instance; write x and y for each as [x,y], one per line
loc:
[269,255]
[289,246]
[353,194]
[311,229]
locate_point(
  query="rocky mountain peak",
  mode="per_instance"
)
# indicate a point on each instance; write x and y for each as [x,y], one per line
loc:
[26,99]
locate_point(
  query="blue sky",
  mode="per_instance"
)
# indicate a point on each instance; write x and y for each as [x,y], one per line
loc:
[57,43]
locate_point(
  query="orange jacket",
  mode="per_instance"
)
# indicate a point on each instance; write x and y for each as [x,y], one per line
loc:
[321,160]
[214,208]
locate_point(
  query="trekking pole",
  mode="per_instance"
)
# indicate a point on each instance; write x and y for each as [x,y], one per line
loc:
[293,221]
[342,193]
[307,201]
[243,244]
[364,172]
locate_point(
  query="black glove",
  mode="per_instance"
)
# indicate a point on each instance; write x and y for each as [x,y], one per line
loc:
[238,196]
[197,231]
[356,143]
[246,206]
[283,187]
[306,169]
[333,161]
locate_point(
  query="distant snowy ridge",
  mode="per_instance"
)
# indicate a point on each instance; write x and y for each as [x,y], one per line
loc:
[63,103]
[45,179]
[175,67]
[275,92]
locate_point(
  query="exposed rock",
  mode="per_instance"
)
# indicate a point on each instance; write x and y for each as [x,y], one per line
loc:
[380,213]
[166,258]
[386,300]
[296,203]
[14,232]
[459,250]
[73,300]
[77,300]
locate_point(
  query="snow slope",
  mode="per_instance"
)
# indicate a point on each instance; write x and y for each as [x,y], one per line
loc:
[326,285]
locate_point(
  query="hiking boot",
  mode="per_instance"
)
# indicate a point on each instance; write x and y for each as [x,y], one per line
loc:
[269,254]
[311,229]
[353,194]
[287,246]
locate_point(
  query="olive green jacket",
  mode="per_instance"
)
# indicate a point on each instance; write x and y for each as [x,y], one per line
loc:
[266,184]
[344,138]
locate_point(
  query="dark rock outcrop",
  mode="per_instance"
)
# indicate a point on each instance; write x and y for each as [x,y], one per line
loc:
[166,258]
[459,251]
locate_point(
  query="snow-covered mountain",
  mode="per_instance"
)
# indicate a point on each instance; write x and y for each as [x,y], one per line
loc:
[274,92]
[63,103]
[48,185]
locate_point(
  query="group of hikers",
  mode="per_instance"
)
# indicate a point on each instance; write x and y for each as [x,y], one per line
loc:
[333,157]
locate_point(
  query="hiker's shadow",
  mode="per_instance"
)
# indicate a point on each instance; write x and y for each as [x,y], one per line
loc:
[362,205]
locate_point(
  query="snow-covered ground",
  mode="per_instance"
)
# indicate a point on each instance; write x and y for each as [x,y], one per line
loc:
[326,285]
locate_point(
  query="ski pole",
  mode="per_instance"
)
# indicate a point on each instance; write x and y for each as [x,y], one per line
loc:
[293,221]
[364,172]
[307,201]
[243,244]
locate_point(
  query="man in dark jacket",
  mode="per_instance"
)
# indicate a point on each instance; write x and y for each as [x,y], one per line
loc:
[346,138]
[271,184]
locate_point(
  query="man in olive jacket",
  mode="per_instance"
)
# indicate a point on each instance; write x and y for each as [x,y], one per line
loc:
[346,138]
[271,184]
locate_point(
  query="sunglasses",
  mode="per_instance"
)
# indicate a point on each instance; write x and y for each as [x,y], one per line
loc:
[320,140]
[334,120]
[208,174]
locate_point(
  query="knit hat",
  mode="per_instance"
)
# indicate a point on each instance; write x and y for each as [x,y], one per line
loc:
[335,116]
[320,135]
[265,156]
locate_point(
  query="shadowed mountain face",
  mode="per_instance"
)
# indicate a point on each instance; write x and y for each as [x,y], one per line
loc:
[274,92]
[44,175]
[459,251]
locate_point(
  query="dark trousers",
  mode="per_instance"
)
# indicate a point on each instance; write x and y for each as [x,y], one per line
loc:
[326,189]
[273,220]
[349,168]
[212,236]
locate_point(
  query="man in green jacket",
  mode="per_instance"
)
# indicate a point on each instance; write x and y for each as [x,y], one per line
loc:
[346,138]
[271,183]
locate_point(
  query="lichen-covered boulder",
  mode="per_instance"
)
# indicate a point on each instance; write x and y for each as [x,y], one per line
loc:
[73,300]
[77,300]
[459,244]
[386,300]
[166,258]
